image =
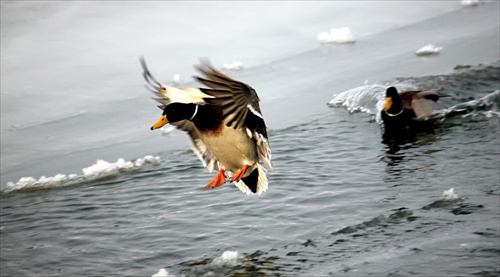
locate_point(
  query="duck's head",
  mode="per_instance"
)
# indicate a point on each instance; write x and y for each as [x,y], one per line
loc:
[391,96]
[175,112]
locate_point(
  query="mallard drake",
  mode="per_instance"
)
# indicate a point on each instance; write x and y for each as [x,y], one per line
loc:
[403,110]
[224,123]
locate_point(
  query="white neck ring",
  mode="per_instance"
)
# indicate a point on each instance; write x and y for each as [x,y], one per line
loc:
[394,114]
[194,114]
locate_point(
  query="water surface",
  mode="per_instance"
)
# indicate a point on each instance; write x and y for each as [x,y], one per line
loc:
[88,190]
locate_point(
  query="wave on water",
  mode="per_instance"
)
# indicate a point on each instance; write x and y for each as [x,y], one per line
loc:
[100,170]
[479,83]
[370,99]
[484,107]
[367,98]
[340,35]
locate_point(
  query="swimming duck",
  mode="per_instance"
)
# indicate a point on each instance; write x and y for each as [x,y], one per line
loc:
[403,110]
[224,123]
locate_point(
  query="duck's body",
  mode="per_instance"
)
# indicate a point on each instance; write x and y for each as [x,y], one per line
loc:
[402,111]
[232,147]
[225,126]
[235,150]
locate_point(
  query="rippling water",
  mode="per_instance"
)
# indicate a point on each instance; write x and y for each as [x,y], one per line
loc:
[340,202]
[120,200]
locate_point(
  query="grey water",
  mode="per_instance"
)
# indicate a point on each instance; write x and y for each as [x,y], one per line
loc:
[340,202]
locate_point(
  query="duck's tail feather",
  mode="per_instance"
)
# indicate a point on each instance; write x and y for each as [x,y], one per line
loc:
[255,182]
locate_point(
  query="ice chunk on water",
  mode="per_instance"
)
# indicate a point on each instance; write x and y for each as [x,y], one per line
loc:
[22,183]
[428,50]
[101,169]
[162,273]
[469,3]
[233,66]
[449,194]
[154,160]
[227,258]
[44,182]
[176,79]
[104,169]
[341,35]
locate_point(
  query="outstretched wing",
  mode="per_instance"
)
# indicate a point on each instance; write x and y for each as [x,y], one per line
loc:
[154,86]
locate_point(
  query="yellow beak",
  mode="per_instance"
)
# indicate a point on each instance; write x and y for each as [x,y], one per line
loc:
[160,123]
[388,103]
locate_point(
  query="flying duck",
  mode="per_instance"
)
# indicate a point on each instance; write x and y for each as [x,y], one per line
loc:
[224,123]
[402,110]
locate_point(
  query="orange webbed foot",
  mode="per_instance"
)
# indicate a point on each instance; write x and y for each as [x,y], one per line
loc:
[218,181]
[236,177]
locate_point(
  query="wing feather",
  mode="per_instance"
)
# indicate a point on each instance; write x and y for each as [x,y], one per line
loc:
[239,106]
